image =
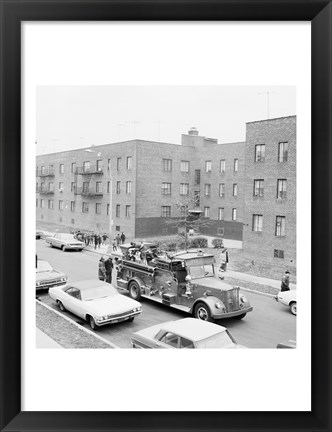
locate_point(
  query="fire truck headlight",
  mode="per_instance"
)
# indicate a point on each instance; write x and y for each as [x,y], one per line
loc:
[218,305]
[243,299]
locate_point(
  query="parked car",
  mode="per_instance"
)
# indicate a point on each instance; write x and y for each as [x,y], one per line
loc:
[184,333]
[288,298]
[95,301]
[65,242]
[39,234]
[47,277]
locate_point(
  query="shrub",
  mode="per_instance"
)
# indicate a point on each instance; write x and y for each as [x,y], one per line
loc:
[199,242]
[217,243]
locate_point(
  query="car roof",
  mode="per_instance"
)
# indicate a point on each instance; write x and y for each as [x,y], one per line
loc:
[86,284]
[193,329]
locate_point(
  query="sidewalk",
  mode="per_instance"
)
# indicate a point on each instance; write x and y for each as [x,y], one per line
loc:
[44,341]
[245,277]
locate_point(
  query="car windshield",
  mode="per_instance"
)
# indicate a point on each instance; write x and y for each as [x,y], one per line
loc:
[220,340]
[201,271]
[43,266]
[98,292]
[68,237]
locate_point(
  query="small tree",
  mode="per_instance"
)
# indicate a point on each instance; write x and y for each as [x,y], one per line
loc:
[188,219]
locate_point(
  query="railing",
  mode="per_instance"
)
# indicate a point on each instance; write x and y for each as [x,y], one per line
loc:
[45,172]
[92,169]
[44,191]
[87,192]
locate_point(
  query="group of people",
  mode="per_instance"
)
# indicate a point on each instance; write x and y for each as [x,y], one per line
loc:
[105,269]
[138,252]
[92,238]
[119,239]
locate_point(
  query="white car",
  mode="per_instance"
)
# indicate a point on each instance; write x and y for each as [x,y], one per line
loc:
[65,242]
[288,298]
[47,277]
[184,333]
[95,301]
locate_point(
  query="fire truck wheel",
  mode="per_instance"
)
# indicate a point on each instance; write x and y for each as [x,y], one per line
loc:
[202,312]
[134,290]
[240,316]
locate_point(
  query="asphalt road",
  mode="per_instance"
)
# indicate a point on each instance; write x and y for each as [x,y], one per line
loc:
[267,325]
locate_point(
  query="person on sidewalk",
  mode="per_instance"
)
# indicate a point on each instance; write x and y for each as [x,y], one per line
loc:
[101,269]
[123,237]
[285,282]
[114,244]
[118,240]
[109,269]
[223,259]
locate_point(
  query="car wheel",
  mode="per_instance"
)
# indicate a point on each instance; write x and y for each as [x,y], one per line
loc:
[131,319]
[92,323]
[61,306]
[134,290]
[63,248]
[239,317]
[293,308]
[202,312]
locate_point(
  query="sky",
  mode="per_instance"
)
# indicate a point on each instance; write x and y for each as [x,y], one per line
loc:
[71,117]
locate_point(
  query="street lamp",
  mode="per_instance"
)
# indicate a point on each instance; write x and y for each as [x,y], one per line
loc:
[108,163]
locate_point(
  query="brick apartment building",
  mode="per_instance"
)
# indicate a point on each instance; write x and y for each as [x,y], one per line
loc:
[148,178]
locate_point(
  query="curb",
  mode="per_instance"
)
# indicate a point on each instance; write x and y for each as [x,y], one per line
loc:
[78,326]
[257,292]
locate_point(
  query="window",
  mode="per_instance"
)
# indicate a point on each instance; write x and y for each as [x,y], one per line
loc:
[73,167]
[85,187]
[220,231]
[36,202]
[258,188]
[86,166]
[183,211]
[72,206]
[184,188]
[234,214]
[236,165]
[277,253]
[206,212]
[108,186]
[184,166]
[108,209]
[235,189]
[43,170]
[50,204]
[128,187]
[207,189]
[221,213]
[128,211]
[283,152]
[171,340]
[167,165]
[165,211]
[62,168]
[280,226]
[73,221]
[85,207]
[36,187]
[60,205]
[260,153]
[166,188]
[42,187]
[51,186]
[197,177]
[118,187]
[208,166]
[257,223]
[61,186]
[99,165]
[108,164]
[51,169]
[73,187]
[98,208]
[281,188]
[118,164]
[197,198]
[222,189]
[99,187]
[118,210]
[129,162]
[223,165]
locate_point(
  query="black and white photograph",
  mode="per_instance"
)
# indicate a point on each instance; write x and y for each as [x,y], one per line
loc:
[166,217]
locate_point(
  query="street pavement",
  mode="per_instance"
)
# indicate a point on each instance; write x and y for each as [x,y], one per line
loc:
[268,324]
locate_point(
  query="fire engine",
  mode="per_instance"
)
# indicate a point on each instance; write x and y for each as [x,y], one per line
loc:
[185,280]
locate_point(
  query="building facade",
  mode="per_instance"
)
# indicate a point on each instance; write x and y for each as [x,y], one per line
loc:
[144,181]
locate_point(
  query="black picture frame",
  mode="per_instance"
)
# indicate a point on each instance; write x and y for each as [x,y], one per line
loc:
[319,12]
